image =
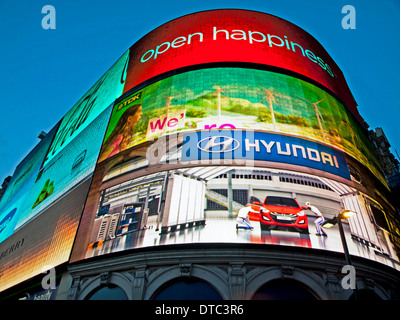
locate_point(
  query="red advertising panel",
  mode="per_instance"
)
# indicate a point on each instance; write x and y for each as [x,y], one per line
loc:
[235,36]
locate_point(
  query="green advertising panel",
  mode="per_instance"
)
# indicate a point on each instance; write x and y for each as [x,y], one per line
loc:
[229,98]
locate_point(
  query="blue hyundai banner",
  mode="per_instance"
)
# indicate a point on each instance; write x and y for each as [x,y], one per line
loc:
[262,146]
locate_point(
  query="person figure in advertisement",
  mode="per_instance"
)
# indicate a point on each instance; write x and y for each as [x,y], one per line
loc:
[122,134]
[319,222]
[242,220]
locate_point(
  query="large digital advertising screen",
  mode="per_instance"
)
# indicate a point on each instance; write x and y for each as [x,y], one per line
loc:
[95,101]
[45,242]
[33,187]
[233,98]
[71,166]
[40,210]
[44,175]
[219,36]
[24,177]
[228,204]
[231,155]
[44,229]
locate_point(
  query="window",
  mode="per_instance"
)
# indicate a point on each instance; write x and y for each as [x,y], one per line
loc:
[110,292]
[281,201]
[379,217]
[187,289]
[239,195]
[283,290]
[128,166]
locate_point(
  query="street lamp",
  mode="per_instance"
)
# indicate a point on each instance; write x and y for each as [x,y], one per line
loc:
[329,223]
[348,214]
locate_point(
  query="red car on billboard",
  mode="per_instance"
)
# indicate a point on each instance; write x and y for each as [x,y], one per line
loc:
[280,213]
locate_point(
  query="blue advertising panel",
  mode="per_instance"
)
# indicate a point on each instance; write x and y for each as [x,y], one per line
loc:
[263,146]
[22,181]
[65,171]
[88,108]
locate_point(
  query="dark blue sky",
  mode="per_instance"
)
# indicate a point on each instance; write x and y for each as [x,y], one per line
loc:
[45,72]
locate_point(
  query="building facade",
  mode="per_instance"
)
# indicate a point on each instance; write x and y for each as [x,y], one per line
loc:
[214,160]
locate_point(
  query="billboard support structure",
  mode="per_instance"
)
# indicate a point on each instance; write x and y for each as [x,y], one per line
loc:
[230,194]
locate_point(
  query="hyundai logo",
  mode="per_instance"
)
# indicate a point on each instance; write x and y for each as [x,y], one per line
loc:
[218,144]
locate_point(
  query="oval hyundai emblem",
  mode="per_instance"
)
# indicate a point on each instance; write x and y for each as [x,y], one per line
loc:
[218,144]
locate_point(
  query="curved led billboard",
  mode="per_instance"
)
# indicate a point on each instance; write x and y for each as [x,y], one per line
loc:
[94,102]
[41,216]
[243,36]
[233,98]
[133,208]
[12,206]
[231,155]
[40,210]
